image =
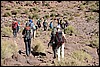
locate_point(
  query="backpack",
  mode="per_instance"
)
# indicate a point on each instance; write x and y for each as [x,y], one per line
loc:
[14,25]
[53,35]
[59,38]
[63,25]
[31,25]
[28,24]
[45,24]
[28,32]
[34,27]
[51,25]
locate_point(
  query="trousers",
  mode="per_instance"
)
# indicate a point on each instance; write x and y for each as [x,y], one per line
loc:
[60,50]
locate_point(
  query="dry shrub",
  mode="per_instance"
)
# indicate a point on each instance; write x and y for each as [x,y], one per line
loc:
[95,43]
[38,46]
[8,47]
[69,30]
[6,31]
[81,55]
[7,14]
[69,61]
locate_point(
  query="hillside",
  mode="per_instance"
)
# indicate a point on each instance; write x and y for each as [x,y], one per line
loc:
[80,48]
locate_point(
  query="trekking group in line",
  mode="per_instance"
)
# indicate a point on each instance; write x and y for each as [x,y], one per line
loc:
[57,34]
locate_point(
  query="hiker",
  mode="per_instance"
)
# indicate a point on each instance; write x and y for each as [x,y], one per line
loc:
[60,39]
[27,38]
[58,21]
[52,42]
[45,25]
[18,26]
[51,25]
[15,27]
[61,22]
[66,23]
[39,23]
[31,25]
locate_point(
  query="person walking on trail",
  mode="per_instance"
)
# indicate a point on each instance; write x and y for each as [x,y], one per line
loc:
[51,25]
[52,42]
[58,21]
[33,29]
[15,27]
[27,38]
[45,25]
[66,23]
[63,25]
[39,23]
[31,26]
[60,39]
[18,28]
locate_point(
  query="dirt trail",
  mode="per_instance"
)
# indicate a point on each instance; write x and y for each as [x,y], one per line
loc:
[22,60]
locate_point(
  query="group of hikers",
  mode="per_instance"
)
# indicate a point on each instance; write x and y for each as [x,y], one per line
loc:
[57,35]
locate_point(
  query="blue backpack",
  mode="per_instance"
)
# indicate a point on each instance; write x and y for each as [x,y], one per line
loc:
[34,27]
[51,25]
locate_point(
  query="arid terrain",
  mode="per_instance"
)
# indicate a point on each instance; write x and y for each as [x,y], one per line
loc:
[82,34]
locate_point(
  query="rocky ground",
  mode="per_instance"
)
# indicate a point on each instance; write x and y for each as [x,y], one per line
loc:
[81,46]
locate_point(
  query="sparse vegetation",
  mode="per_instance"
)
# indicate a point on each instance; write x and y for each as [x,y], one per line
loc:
[38,47]
[46,16]
[95,43]
[52,15]
[28,3]
[6,31]
[90,18]
[14,12]
[26,11]
[76,14]
[81,55]
[52,10]
[71,18]
[35,9]
[35,16]
[7,49]
[58,15]
[7,14]
[46,4]
[69,30]
[8,8]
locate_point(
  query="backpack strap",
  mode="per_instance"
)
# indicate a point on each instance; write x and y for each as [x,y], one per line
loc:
[57,36]
[27,28]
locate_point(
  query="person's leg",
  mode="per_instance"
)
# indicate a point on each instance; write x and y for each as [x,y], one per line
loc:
[44,28]
[34,33]
[26,46]
[13,32]
[54,51]
[62,51]
[16,32]
[58,52]
[29,45]
[31,33]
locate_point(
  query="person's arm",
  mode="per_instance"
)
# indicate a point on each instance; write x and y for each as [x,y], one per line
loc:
[23,32]
[64,36]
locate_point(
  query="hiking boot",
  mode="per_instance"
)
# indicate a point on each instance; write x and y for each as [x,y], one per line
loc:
[54,57]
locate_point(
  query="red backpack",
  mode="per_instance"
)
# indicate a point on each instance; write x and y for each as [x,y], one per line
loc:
[59,37]
[14,25]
